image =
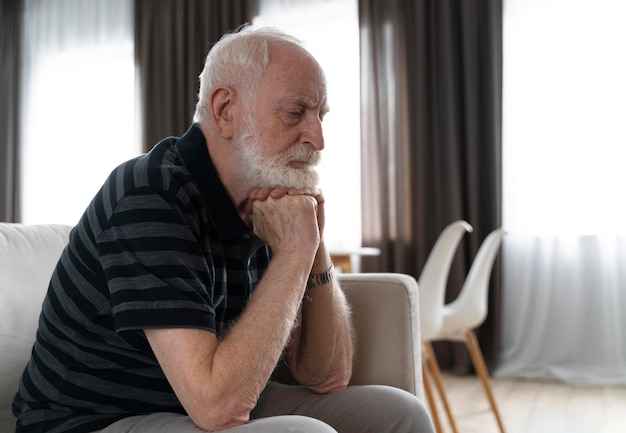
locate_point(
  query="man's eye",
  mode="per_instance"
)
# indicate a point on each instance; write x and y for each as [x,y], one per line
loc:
[292,116]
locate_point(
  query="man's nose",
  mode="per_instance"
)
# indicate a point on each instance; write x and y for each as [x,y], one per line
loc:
[313,133]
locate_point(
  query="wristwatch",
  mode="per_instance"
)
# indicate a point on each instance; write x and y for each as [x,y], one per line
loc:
[323,278]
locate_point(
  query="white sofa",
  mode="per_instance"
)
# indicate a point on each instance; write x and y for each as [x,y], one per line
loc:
[385,311]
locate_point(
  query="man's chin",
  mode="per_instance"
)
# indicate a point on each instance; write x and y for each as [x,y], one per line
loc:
[293,180]
[297,185]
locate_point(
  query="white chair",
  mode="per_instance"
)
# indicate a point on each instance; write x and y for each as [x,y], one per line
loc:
[466,313]
[432,285]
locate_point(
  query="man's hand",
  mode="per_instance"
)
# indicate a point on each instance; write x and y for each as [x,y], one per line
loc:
[262,194]
[287,224]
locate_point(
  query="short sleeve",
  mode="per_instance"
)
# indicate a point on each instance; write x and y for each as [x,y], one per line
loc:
[155,267]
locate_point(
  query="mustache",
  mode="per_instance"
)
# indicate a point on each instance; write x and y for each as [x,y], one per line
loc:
[301,152]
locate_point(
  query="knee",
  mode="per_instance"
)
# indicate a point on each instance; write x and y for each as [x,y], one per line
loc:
[403,412]
[290,424]
[420,420]
[304,424]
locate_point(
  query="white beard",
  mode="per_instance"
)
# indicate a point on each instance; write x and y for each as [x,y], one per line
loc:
[274,170]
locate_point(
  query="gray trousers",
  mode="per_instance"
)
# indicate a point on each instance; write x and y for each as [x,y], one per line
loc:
[294,409]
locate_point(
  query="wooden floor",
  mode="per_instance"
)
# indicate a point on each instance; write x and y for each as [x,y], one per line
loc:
[535,407]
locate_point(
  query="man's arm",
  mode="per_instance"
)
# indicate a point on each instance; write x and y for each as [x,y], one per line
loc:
[218,382]
[321,350]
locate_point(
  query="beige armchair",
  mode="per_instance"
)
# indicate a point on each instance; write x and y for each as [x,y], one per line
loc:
[385,310]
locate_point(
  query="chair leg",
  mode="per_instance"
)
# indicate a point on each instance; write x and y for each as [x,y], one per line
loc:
[434,414]
[479,364]
[435,371]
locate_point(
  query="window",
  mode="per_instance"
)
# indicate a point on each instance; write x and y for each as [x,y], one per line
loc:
[564,147]
[77,103]
[564,139]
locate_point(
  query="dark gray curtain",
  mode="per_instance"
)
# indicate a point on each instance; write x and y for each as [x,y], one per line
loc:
[172,39]
[10,28]
[431,138]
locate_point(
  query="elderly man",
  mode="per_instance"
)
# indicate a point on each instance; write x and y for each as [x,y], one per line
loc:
[199,265]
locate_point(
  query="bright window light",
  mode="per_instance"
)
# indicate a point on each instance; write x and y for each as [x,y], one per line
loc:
[77,105]
[564,137]
[82,117]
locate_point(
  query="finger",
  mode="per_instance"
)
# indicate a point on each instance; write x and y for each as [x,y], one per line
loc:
[260,193]
[313,192]
[279,192]
[305,191]
[247,207]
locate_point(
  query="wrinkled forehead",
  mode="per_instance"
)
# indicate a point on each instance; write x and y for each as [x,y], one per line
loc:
[294,72]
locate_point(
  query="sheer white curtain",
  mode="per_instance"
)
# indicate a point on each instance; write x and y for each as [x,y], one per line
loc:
[564,156]
[330,31]
[77,104]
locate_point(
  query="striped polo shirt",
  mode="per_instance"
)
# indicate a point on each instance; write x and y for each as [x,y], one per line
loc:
[160,246]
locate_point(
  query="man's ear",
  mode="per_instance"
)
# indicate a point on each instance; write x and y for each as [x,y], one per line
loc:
[222,102]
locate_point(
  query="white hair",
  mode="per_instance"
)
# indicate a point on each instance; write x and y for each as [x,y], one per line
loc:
[238,60]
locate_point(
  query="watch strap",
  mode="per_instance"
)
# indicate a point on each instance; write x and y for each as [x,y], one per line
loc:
[323,278]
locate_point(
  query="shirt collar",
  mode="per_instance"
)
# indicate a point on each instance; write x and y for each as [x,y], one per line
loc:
[222,212]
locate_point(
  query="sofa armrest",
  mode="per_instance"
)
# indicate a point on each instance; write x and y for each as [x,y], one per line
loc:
[385,313]
[385,310]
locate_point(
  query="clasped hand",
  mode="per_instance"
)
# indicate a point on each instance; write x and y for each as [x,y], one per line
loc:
[287,218]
